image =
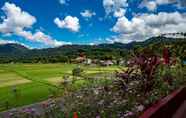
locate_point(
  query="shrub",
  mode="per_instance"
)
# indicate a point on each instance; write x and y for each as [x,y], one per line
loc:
[142,67]
[77,71]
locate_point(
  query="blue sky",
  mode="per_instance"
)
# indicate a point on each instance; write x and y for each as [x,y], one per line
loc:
[50,23]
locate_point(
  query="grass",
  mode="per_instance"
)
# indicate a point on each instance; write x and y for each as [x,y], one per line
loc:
[11,79]
[36,82]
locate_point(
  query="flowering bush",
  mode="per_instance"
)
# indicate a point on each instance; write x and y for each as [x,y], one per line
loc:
[144,81]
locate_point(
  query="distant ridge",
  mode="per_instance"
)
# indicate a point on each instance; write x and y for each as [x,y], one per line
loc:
[174,35]
[12,49]
[19,53]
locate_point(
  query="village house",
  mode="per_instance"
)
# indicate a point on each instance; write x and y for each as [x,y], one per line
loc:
[87,61]
[79,59]
[106,63]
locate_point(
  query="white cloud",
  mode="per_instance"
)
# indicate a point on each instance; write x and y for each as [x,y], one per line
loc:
[2,42]
[119,13]
[41,37]
[17,21]
[181,3]
[62,2]
[71,23]
[178,3]
[145,26]
[113,6]
[151,5]
[87,14]
[92,44]
[160,2]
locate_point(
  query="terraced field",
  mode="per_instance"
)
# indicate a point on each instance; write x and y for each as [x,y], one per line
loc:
[22,84]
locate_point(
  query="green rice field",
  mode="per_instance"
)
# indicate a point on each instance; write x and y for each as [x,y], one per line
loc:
[36,82]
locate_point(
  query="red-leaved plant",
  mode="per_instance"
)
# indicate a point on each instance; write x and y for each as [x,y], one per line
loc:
[142,66]
[167,77]
[166,56]
[75,115]
[147,65]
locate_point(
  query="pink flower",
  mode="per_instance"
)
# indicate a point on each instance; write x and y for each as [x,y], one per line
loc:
[98,116]
[140,108]
[128,113]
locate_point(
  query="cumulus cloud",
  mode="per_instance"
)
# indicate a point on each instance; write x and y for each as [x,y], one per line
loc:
[160,2]
[17,21]
[181,3]
[69,22]
[41,37]
[3,42]
[145,26]
[115,7]
[87,14]
[119,13]
[152,5]
[62,2]
[92,44]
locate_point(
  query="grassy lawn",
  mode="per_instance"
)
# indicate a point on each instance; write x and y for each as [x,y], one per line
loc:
[36,82]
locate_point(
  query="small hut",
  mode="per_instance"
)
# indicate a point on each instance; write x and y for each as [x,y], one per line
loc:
[106,63]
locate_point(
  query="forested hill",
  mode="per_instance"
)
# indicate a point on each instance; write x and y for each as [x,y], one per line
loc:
[12,50]
[18,53]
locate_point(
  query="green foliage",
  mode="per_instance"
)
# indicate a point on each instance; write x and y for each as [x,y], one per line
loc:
[20,54]
[77,71]
[167,80]
[44,82]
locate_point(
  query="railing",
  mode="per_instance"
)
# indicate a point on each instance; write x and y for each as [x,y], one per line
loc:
[166,107]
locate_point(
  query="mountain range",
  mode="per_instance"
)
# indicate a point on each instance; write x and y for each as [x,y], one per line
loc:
[19,53]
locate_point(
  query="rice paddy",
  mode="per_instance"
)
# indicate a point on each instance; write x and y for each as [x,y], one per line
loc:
[36,82]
